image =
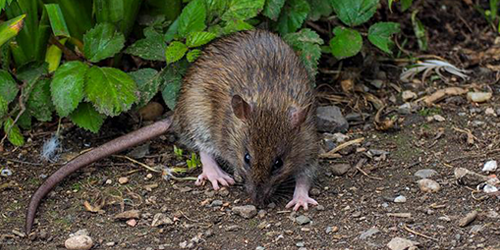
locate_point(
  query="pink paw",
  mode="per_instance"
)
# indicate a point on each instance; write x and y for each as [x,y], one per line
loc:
[215,177]
[301,201]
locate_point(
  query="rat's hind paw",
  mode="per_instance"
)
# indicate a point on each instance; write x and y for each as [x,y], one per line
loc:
[301,201]
[215,178]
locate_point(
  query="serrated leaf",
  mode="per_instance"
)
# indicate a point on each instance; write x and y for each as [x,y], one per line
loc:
[101,42]
[172,79]
[234,26]
[215,8]
[292,16]
[272,9]
[354,12]
[148,82]
[86,117]
[170,94]
[171,31]
[192,18]
[13,133]
[307,43]
[346,43]
[24,121]
[8,87]
[319,8]
[243,9]
[192,55]
[111,90]
[406,4]
[380,34]
[196,39]
[39,104]
[150,48]
[175,51]
[67,87]
[31,71]
[4,107]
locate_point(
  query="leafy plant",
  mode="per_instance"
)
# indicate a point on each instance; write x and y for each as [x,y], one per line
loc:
[194,162]
[178,152]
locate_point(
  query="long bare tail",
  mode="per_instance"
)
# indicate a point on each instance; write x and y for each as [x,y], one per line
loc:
[119,144]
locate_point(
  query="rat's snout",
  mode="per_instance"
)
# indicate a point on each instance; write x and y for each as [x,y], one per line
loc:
[259,194]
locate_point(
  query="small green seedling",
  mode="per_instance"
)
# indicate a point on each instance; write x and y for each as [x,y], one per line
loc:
[178,152]
[193,162]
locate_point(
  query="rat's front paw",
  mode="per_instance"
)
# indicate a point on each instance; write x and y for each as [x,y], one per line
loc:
[301,201]
[215,177]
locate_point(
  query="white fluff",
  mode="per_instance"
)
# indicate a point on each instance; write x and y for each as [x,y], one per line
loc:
[51,149]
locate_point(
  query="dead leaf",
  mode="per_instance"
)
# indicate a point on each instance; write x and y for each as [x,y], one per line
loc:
[92,209]
[440,94]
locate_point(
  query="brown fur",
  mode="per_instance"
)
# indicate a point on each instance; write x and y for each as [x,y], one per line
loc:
[266,73]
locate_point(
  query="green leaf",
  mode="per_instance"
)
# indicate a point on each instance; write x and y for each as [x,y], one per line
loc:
[380,34]
[419,30]
[4,107]
[292,16]
[346,43]
[31,71]
[53,56]
[354,12]
[57,21]
[148,82]
[234,26]
[24,121]
[111,90]
[196,39]
[150,48]
[406,4]
[243,9]
[13,133]
[307,43]
[175,51]
[216,8]
[172,79]
[11,28]
[67,87]
[192,55]
[39,103]
[8,87]
[319,8]
[192,18]
[86,117]
[170,94]
[272,9]
[172,31]
[101,42]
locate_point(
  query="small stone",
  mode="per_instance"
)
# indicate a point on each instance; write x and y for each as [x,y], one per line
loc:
[479,96]
[43,235]
[490,214]
[476,229]
[216,203]
[398,243]
[498,111]
[490,166]
[210,193]
[232,228]
[490,189]
[109,181]
[80,242]
[490,111]
[439,118]
[444,218]
[18,233]
[425,173]
[132,222]
[400,199]
[340,169]
[260,248]
[247,212]
[314,192]
[224,192]
[330,119]
[428,185]
[477,123]
[183,244]
[377,83]
[123,180]
[470,217]
[408,95]
[320,208]
[262,213]
[368,233]
[161,219]
[150,111]
[130,214]
[80,232]
[149,176]
[209,233]
[110,244]
[405,109]
[300,244]
[302,220]
[263,225]
[271,205]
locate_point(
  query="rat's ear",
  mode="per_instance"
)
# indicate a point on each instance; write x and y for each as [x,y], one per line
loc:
[297,115]
[241,108]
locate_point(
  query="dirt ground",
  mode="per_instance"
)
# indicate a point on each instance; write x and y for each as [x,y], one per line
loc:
[357,208]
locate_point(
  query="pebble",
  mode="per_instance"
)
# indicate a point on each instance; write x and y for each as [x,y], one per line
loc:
[492,214]
[110,244]
[209,233]
[477,123]
[425,173]
[398,243]
[260,248]
[300,244]
[408,95]
[210,193]
[135,214]
[368,233]
[216,203]
[479,96]
[123,180]
[498,111]
[377,83]
[149,176]
[400,199]
[490,189]
[330,119]
[320,208]
[428,185]
[271,205]
[262,213]
[232,228]
[132,222]
[476,229]
[490,111]
[439,118]
[223,192]
[80,242]
[314,192]
[247,212]
[340,169]
[109,181]
[161,219]
[405,109]
[470,217]
[490,166]
[302,220]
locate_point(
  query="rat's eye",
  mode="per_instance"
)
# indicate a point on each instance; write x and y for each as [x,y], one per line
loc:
[247,158]
[278,163]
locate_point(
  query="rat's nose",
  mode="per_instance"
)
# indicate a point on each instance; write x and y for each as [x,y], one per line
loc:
[260,196]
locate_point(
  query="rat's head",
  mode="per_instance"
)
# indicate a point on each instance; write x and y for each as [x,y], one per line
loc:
[276,142]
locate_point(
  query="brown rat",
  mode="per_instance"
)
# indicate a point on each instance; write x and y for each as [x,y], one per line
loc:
[246,100]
